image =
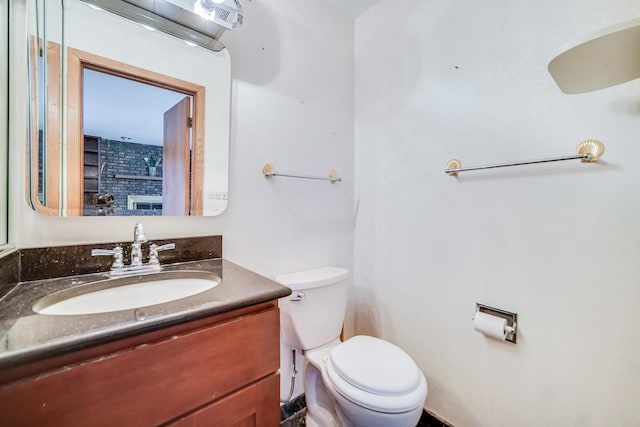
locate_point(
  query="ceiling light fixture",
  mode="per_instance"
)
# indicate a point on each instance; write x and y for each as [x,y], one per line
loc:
[200,21]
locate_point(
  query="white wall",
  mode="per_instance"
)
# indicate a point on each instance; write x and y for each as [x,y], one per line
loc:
[292,105]
[556,243]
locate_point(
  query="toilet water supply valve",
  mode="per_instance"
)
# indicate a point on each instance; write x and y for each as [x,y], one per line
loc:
[293,375]
[299,296]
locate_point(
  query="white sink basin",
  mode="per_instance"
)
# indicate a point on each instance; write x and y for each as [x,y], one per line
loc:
[126,293]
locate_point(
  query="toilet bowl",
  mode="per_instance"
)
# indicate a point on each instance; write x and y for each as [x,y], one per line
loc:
[364,381]
[372,382]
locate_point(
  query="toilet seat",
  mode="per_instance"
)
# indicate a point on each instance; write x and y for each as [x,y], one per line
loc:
[376,374]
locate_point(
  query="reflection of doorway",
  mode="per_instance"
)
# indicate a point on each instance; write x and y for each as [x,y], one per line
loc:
[177,159]
[191,132]
[139,147]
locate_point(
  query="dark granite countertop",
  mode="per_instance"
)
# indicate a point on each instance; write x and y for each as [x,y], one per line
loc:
[27,336]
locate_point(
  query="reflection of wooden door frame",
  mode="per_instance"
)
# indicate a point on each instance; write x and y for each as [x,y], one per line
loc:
[78,60]
[52,155]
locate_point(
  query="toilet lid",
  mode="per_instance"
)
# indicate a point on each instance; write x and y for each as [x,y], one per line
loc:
[375,366]
[377,375]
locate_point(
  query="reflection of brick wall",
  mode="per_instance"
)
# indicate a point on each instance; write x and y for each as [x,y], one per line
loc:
[126,158]
[41,147]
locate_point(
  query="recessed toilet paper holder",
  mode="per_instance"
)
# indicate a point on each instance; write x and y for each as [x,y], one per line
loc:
[511,328]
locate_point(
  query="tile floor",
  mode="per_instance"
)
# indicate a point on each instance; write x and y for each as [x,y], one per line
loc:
[297,420]
[293,413]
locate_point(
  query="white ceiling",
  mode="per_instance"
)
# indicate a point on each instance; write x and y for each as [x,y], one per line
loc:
[354,8]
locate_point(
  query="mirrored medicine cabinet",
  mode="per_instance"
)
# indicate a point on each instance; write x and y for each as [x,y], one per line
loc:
[123,119]
[4,113]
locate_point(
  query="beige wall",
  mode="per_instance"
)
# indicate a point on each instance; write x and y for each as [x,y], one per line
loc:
[557,243]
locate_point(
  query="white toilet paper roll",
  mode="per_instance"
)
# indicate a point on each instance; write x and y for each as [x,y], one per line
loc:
[492,326]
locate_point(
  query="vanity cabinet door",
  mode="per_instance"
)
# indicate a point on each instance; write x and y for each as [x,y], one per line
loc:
[254,406]
[152,383]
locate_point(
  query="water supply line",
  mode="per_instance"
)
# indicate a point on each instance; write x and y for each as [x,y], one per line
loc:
[293,377]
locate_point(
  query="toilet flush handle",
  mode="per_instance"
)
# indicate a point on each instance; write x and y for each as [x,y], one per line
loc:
[299,296]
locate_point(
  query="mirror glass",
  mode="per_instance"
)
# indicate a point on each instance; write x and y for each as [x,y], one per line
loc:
[4,99]
[124,120]
[129,128]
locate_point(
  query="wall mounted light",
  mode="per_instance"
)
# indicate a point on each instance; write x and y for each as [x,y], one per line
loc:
[178,17]
[604,60]
[227,13]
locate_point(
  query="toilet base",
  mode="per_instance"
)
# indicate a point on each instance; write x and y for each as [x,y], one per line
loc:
[352,415]
[320,404]
[327,408]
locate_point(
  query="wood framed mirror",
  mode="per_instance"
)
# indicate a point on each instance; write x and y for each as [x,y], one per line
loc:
[182,144]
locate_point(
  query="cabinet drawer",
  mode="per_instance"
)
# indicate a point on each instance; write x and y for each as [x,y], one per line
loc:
[151,383]
[254,406]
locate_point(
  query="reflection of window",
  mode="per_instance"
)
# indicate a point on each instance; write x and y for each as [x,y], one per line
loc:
[141,206]
[142,202]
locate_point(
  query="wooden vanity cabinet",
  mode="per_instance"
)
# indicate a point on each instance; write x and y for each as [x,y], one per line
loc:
[219,371]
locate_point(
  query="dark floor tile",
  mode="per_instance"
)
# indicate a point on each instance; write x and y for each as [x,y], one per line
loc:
[296,420]
[293,407]
[428,420]
[293,414]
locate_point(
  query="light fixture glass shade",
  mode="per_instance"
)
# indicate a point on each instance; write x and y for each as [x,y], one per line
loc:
[227,13]
[600,62]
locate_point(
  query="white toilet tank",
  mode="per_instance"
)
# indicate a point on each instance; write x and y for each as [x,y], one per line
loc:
[313,314]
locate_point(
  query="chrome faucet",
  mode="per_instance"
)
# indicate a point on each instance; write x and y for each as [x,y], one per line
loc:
[136,247]
[154,249]
[136,267]
[138,234]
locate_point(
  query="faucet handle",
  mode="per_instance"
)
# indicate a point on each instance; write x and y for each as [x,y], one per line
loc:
[118,259]
[154,249]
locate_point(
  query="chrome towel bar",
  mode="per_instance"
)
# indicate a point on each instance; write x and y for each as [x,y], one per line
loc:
[588,151]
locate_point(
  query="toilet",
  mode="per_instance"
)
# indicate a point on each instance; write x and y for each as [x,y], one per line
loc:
[361,382]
